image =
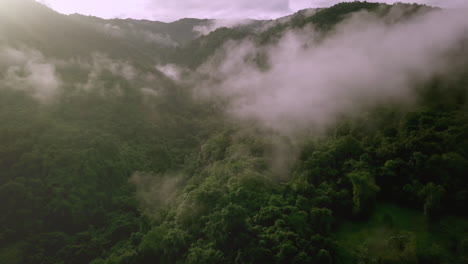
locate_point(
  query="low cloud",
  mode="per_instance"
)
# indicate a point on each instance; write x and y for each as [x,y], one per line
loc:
[220,23]
[98,65]
[26,69]
[100,73]
[156,191]
[144,35]
[311,79]
[157,38]
[112,30]
[171,71]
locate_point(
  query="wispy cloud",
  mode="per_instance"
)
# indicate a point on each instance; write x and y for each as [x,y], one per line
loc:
[312,79]
[29,70]
[156,191]
[220,23]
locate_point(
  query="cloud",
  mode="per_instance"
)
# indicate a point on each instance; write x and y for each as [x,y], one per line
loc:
[98,65]
[28,70]
[171,71]
[447,3]
[311,79]
[145,35]
[112,30]
[157,38]
[156,191]
[220,23]
[106,76]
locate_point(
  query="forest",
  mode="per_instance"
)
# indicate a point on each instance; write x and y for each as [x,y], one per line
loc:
[334,135]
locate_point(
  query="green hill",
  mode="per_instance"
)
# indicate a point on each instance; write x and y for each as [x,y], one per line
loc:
[109,155]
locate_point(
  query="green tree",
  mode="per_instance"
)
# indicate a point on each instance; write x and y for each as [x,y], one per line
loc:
[364,190]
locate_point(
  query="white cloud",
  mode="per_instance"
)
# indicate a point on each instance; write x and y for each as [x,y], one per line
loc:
[171,71]
[28,70]
[312,80]
[161,39]
[155,191]
[145,35]
[220,23]
[111,30]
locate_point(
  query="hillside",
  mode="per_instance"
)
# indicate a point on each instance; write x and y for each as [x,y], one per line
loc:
[333,135]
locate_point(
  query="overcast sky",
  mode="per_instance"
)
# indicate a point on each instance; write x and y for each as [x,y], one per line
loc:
[170,10]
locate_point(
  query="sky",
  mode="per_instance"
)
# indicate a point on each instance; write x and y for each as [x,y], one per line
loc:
[171,10]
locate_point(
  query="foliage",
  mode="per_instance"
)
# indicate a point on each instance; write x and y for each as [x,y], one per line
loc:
[65,169]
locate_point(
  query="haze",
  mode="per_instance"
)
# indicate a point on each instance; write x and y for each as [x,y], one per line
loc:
[162,10]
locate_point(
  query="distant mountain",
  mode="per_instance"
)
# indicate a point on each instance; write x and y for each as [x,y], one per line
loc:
[29,23]
[187,41]
[26,22]
[171,34]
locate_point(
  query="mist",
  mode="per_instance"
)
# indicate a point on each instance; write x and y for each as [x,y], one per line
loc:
[117,32]
[220,23]
[313,138]
[156,191]
[28,70]
[312,78]
[45,77]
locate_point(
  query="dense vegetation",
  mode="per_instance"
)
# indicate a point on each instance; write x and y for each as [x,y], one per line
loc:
[117,175]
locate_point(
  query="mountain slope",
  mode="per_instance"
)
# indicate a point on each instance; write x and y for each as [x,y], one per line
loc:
[335,135]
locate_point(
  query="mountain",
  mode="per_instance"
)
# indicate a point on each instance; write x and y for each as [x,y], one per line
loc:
[333,135]
[29,22]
